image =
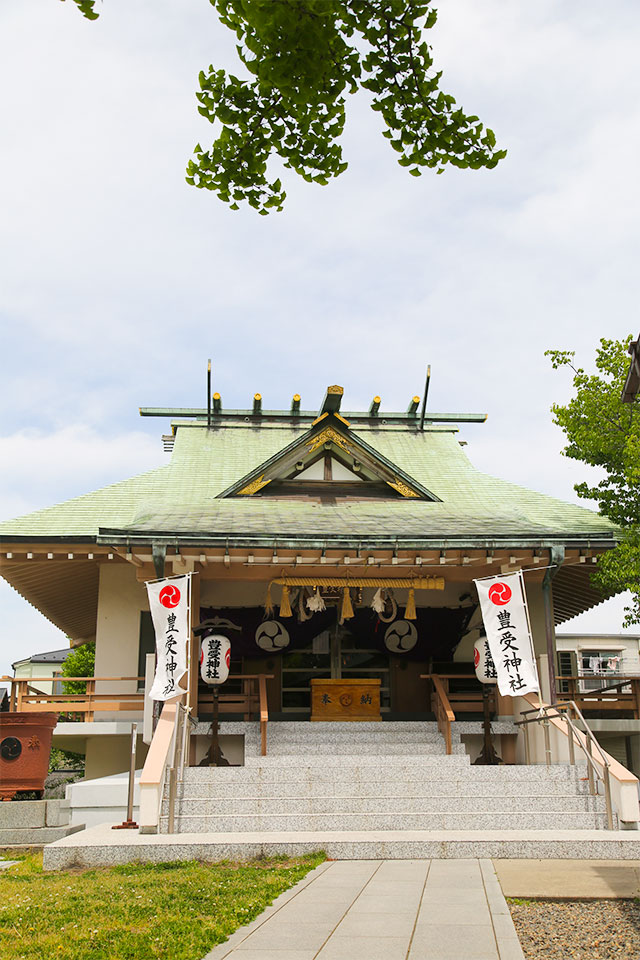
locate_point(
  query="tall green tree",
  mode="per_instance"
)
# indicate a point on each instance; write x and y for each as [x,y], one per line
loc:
[604,432]
[300,59]
[80,662]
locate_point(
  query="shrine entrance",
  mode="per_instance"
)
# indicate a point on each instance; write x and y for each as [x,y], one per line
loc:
[335,654]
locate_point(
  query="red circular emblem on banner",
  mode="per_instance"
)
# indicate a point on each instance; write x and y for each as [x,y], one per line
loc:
[499,593]
[169,596]
[476,657]
[227,658]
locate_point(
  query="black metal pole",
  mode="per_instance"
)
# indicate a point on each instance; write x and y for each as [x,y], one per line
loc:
[214,749]
[488,755]
[556,558]
[424,399]
[208,394]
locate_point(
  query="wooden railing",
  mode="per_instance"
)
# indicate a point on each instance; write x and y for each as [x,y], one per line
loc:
[611,697]
[442,709]
[445,703]
[250,699]
[25,697]
[462,701]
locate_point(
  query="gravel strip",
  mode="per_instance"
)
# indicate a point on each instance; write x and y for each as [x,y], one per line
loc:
[578,929]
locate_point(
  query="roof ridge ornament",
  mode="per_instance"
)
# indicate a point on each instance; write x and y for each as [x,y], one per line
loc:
[332,399]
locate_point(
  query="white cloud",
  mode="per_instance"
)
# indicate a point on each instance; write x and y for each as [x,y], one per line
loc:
[47,468]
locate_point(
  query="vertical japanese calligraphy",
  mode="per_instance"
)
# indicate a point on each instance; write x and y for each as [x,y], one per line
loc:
[502,601]
[483,661]
[169,605]
[215,659]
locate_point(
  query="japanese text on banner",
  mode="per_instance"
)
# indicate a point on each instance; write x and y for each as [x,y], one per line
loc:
[502,602]
[169,605]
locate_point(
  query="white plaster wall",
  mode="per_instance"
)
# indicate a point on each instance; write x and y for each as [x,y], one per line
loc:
[103,799]
[27,670]
[120,600]
[106,755]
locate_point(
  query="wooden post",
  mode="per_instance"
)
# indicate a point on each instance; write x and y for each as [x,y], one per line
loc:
[504,705]
[635,688]
[247,692]
[264,714]
[508,747]
[89,702]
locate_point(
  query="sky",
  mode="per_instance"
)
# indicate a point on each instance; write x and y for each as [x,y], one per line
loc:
[118,280]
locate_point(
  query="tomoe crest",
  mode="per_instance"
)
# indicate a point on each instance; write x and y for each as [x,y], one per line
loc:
[272,635]
[401,636]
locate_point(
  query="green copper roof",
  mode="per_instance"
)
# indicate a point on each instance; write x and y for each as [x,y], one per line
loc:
[180,498]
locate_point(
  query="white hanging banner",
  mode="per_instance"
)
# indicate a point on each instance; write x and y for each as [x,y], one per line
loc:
[215,659]
[504,612]
[169,605]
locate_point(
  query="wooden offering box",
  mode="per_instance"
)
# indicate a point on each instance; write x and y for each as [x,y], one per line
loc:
[345,700]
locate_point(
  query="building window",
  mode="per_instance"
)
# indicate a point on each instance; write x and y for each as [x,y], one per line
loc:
[598,667]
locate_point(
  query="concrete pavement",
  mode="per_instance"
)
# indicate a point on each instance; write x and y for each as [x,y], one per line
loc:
[383,910]
[569,879]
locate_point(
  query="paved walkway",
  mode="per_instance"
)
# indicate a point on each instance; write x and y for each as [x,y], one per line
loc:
[579,879]
[383,910]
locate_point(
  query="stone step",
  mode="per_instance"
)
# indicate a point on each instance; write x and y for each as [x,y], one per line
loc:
[35,835]
[300,750]
[468,789]
[102,846]
[321,728]
[368,822]
[426,769]
[355,735]
[34,813]
[258,805]
[347,761]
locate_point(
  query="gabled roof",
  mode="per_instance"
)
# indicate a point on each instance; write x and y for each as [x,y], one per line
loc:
[49,656]
[184,498]
[330,433]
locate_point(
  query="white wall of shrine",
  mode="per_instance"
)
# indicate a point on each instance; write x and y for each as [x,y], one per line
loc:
[120,600]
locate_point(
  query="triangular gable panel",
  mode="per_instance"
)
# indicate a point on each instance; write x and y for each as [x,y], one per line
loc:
[316,471]
[303,461]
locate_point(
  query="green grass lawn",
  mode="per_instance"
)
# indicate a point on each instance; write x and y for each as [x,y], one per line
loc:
[177,911]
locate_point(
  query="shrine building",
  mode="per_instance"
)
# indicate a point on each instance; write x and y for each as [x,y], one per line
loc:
[326,544]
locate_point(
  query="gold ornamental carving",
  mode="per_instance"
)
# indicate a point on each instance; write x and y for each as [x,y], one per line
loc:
[254,486]
[329,435]
[402,488]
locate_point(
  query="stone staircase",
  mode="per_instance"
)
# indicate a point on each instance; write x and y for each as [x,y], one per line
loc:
[387,790]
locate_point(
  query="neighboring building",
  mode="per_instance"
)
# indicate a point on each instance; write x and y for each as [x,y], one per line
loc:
[48,664]
[337,499]
[601,661]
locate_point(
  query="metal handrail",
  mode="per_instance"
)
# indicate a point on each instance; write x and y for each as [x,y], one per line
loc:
[623,682]
[562,712]
[176,771]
